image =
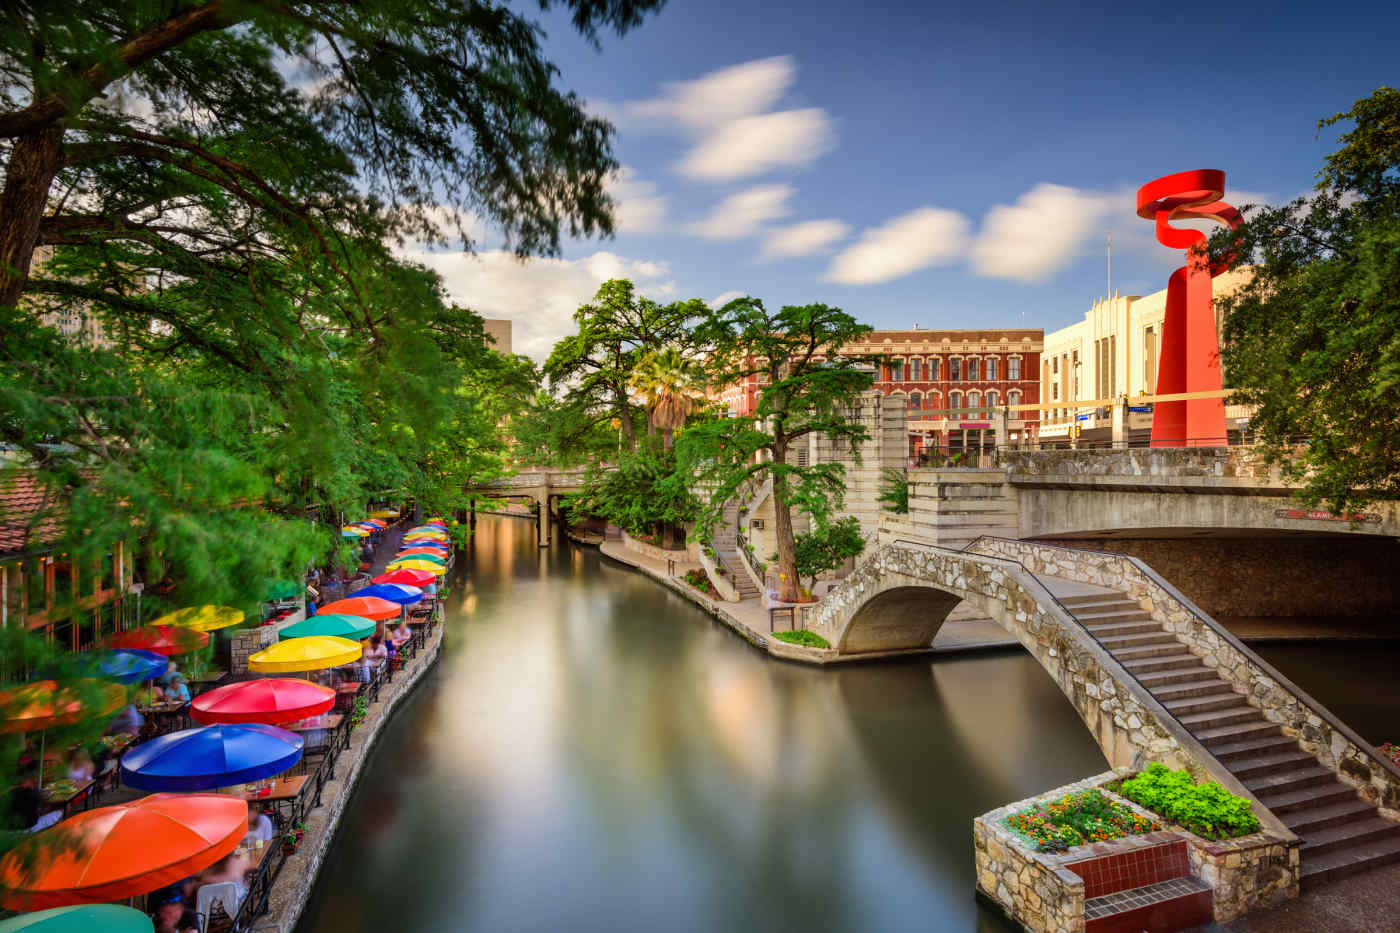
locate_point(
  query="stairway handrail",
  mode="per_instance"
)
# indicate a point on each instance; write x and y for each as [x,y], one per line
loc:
[1224,634]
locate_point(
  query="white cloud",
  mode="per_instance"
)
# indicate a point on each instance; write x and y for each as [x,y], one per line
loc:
[539,296]
[803,239]
[744,214]
[756,144]
[724,298]
[1040,234]
[640,209]
[925,237]
[715,99]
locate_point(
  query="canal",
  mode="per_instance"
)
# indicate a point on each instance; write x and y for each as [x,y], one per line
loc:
[595,753]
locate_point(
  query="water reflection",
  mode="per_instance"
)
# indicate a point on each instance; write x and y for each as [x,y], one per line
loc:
[595,753]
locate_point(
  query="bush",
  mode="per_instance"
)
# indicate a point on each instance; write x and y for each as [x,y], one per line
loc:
[1089,816]
[1208,810]
[800,637]
[701,582]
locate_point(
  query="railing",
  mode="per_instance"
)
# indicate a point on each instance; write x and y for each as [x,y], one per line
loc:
[1224,635]
[744,555]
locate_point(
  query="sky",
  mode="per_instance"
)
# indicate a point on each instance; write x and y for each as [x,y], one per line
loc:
[946,165]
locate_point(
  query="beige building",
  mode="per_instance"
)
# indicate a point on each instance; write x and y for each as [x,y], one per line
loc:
[498,332]
[1110,354]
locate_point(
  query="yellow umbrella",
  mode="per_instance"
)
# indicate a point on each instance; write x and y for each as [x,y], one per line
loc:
[427,565]
[353,531]
[313,653]
[384,513]
[202,618]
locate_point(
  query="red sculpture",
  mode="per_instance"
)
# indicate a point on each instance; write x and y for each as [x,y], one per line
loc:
[1190,357]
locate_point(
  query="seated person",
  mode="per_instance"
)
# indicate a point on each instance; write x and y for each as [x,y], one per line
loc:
[25,803]
[177,689]
[175,917]
[400,634]
[231,869]
[129,720]
[156,694]
[376,653]
[80,766]
[259,827]
[171,670]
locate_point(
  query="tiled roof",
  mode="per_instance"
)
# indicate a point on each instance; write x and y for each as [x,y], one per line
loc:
[27,522]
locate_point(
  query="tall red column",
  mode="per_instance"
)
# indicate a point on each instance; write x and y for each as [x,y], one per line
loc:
[1190,357]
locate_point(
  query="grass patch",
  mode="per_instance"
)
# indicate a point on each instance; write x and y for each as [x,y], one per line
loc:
[802,637]
[1208,810]
[1075,819]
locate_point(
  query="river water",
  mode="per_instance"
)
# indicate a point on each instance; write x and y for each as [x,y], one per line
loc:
[595,753]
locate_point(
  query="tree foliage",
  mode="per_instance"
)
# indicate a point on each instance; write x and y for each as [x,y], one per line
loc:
[1314,336]
[644,494]
[827,547]
[807,387]
[894,490]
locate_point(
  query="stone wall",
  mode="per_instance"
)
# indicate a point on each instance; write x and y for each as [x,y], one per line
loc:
[1030,888]
[1240,464]
[690,554]
[1275,576]
[1248,873]
[1320,733]
[247,643]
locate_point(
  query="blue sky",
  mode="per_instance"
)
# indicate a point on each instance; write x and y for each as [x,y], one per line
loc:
[950,165]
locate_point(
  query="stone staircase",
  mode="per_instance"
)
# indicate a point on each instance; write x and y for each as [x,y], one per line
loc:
[1341,833]
[726,545]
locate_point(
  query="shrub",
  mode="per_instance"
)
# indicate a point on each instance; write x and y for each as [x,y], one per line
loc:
[701,582]
[801,637]
[1088,816]
[1208,810]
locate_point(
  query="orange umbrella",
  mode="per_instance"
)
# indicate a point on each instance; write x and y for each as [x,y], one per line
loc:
[366,607]
[112,853]
[162,639]
[44,704]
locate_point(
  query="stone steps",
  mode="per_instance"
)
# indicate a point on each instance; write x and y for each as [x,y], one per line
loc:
[1213,686]
[1171,661]
[1229,716]
[1338,863]
[1292,779]
[1273,762]
[1307,798]
[1231,733]
[1210,702]
[1124,627]
[1355,832]
[1305,822]
[1184,674]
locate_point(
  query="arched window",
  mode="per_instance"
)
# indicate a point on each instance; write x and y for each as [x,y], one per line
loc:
[992,402]
[916,365]
[1013,368]
[1013,397]
[974,402]
[991,369]
[916,400]
[955,369]
[955,402]
[935,368]
[972,369]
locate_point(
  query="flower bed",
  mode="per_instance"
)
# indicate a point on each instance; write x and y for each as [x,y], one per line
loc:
[1076,819]
[1390,750]
[802,637]
[701,582]
[1208,810]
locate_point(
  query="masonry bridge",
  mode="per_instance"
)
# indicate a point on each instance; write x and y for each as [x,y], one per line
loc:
[1153,676]
[541,485]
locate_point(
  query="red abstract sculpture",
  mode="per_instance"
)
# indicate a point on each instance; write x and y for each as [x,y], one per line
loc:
[1190,357]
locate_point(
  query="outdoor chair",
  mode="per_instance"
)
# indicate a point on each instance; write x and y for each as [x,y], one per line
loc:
[216,905]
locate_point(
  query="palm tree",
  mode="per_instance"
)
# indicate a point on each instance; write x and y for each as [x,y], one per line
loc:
[669,385]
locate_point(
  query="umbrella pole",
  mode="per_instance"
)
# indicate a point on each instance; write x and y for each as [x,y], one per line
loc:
[43,736]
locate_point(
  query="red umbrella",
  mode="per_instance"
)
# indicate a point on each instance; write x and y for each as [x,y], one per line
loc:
[366,607]
[44,704]
[162,639]
[408,577]
[112,853]
[274,700]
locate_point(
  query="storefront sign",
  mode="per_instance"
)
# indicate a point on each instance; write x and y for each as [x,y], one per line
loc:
[981,424]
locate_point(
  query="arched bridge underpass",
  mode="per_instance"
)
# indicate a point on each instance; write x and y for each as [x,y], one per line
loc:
[1152,676]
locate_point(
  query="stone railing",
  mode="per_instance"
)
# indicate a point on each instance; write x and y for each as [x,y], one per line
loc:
[690,554]
[719,574]
[1239,464]
[1354,760]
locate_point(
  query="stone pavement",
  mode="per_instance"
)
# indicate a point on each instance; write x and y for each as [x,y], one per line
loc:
[1356,904]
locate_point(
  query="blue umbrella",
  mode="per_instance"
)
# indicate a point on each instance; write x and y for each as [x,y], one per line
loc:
[438,545]
[394,592]
[211,756]
[132,665]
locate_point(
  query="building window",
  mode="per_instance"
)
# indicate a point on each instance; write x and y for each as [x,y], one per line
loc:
[916,400]
[1149,345]
[955,369]
[955,402]
[972,369]
[934,367]
[1055,365]
[915,366]
[1013,368]
[992,369]
[1013,398]
[907,371]
[974,402]
[992,402]
[1055,391]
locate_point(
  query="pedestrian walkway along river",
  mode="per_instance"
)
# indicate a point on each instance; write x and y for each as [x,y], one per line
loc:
[595,753]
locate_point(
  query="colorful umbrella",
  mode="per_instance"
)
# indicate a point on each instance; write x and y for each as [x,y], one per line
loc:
[112,853]
[210,757]
[368,607]
[428,542]
[407,577]
[162,639]
[131,666]
[304,654]
[384,513]
[376,522]
[330,623]
[202,618]
[393,592]
[413,563]
[43,704]
[431,532]
[271,700]
[109,918]
[352,531]
[422,553]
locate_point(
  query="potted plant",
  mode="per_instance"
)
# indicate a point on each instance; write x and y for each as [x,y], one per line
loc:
[289,843]
[299,831]
[359,712]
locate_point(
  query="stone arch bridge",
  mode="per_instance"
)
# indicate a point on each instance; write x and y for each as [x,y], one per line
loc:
[1152,676]
[542,485]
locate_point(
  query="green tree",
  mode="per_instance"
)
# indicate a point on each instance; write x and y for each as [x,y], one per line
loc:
[1314,336]
[894,490]
[807,386]
[827,547]
[642,494]
[615,332]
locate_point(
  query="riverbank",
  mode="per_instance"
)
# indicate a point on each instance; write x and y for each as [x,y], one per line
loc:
[298,876]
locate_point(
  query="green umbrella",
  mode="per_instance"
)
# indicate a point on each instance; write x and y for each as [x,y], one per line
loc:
[422,555]
[82,918]
[330,623]
[279,589]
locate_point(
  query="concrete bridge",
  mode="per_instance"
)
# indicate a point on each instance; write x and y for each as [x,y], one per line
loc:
[1153,677]
[542,485]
